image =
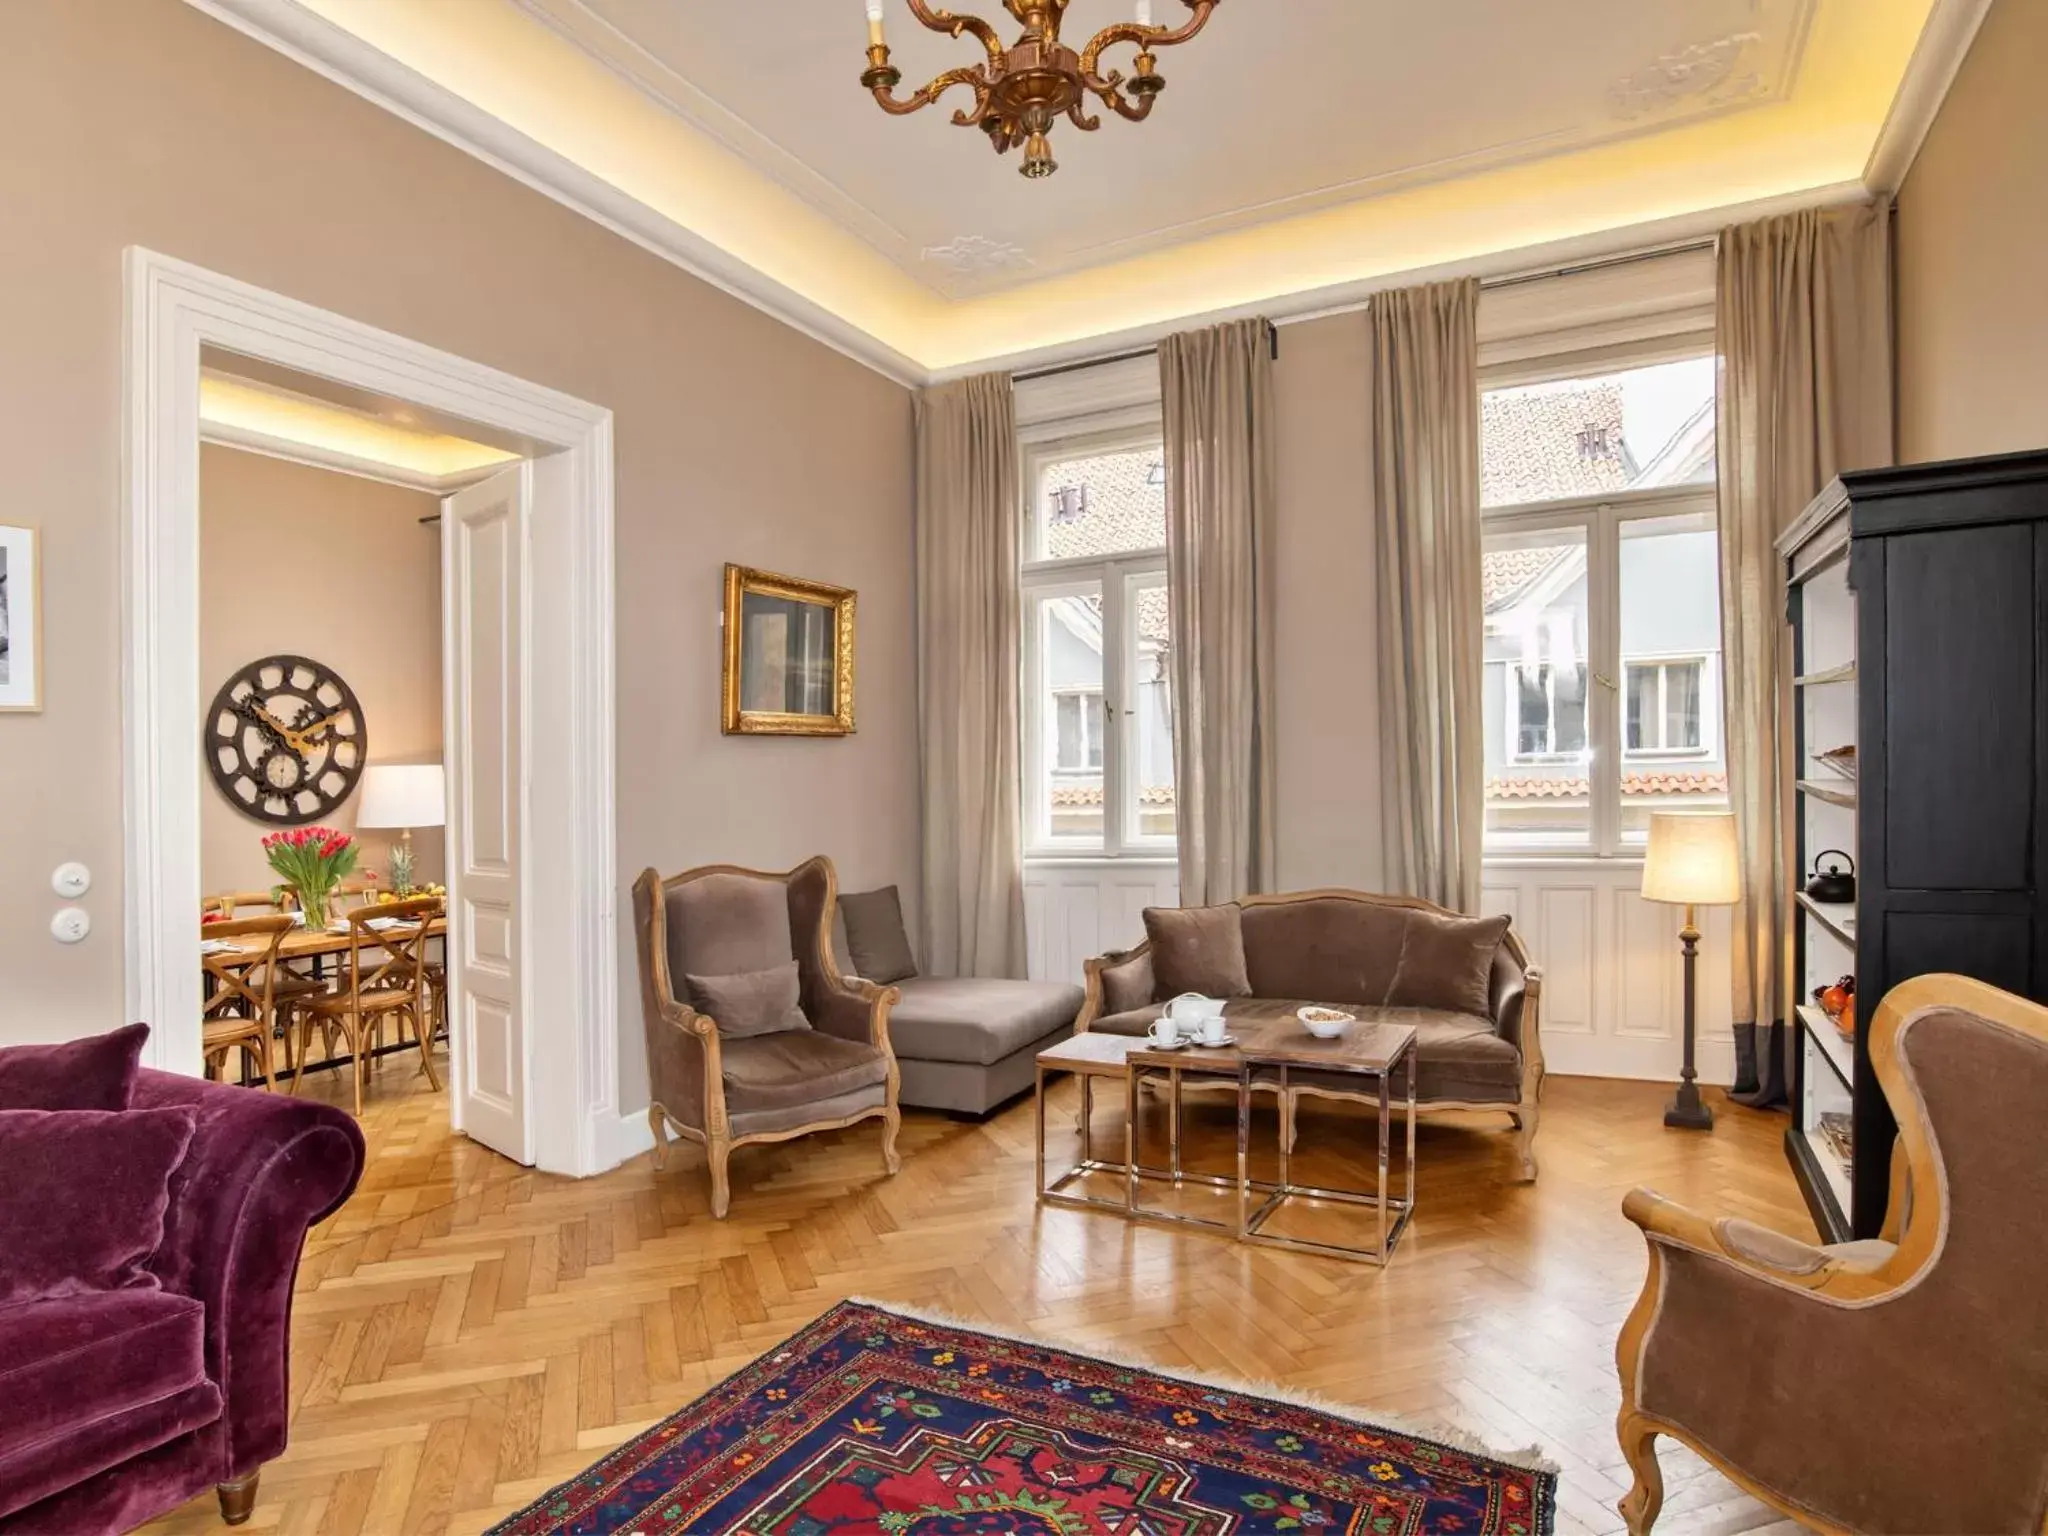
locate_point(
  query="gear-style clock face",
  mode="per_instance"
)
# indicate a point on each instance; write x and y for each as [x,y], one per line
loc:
[285,740]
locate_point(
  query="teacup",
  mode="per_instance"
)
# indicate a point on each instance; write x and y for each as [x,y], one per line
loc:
[1212,1029]
[1163,1031]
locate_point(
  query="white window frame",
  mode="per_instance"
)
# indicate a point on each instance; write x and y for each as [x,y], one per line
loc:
[1119,430]
[1709,725]
[1601,519]
[1091,708]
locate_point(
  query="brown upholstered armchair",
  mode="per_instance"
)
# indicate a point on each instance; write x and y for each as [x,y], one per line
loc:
[1898,1384]
[828,1068]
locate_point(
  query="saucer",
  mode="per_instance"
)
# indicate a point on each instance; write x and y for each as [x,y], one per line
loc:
[1175,1044]
[1213,1045]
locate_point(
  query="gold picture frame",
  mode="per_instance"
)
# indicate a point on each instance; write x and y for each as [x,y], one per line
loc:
[788,668]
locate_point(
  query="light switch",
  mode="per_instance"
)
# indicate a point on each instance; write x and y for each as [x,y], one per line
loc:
[70,925]
[71,880]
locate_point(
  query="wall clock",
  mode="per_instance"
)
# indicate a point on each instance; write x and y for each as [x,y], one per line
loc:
[285,740]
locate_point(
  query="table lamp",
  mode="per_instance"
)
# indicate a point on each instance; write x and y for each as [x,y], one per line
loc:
[402,795]
[1691,863]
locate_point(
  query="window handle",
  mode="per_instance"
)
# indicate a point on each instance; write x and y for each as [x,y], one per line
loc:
[1605,682]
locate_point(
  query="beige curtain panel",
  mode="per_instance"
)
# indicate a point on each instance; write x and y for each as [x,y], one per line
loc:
[1803,318]
[969,550]
[1217,395]
[1425,442]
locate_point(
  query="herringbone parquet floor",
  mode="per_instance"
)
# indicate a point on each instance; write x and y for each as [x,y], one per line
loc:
[469,1333]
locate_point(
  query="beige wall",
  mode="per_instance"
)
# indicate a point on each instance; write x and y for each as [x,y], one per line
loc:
[144,122]
[1327,664]
[310,562]
[1972,244]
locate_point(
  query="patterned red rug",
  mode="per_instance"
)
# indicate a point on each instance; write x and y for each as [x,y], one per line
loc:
[869,1423]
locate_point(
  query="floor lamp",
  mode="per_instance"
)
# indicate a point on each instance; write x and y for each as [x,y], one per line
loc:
[1691,863]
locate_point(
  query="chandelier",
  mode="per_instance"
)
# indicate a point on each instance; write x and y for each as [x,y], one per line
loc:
[1021,90]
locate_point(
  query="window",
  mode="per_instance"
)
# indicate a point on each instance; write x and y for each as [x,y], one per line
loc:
[1077,715]
[1663,717]
[1098,689]
[1601,587]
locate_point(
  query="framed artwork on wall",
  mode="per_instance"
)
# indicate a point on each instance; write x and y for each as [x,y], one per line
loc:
[21,619]
[788,656]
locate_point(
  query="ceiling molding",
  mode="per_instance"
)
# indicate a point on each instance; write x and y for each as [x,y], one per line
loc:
[1348,298]
[340,56]
[291,451]
[1944,43]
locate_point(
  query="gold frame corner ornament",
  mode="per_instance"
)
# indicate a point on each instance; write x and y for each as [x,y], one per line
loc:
[735,721]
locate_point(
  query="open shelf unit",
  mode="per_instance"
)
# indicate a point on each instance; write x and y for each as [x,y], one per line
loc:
[1823,611]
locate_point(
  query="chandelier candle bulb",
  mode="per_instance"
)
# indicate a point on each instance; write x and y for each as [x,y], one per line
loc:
[875,38]
[1144,13]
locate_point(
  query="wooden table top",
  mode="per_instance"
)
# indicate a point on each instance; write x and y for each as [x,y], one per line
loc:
[300,945]
[1368,1047]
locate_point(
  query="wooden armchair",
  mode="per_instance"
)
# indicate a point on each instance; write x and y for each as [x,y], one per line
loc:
[1897,1384]
[724,1089]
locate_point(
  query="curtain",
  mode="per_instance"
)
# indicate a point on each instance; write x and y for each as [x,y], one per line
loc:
[1803,321]
[969,549]
[1216,390]
[1425,442]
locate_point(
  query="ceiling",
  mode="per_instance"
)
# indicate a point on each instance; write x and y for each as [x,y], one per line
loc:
[1303,148]
[1346,98]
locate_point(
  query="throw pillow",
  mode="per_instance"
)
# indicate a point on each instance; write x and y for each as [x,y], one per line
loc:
[95,1073]
[83,1200]
[1447,962]
[751,1003]
[1197,949]
[875,939]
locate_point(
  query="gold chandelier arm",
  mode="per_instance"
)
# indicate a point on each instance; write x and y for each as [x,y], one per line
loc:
[1081,118]
[946,21]
[1111,92]
[903,106]
[1144,38]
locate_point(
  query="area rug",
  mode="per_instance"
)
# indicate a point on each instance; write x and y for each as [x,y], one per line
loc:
[874,1423]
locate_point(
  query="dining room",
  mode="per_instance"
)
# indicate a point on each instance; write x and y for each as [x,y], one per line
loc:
[324,923]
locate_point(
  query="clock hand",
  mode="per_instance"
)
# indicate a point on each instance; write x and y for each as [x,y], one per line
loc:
[306,732]
[255,713]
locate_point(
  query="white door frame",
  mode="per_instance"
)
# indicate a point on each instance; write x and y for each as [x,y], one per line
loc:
[569,977]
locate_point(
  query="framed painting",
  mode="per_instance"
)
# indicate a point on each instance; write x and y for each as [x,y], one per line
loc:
[788,656]
[21,619]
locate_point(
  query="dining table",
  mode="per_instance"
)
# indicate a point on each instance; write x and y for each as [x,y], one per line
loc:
[315,945]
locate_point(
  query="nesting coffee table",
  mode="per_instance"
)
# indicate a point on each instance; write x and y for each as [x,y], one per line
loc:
[1269,1054]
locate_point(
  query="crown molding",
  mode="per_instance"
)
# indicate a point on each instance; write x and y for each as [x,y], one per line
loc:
[1944,43]
[338,55]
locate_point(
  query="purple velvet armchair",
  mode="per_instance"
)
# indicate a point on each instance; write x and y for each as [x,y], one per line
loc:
[122,1404]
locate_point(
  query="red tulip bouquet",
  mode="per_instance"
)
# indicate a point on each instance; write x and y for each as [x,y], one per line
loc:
[311,862]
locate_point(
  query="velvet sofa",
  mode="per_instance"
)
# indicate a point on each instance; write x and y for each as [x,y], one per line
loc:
[1466,984]
[120,1405]
[964,1044]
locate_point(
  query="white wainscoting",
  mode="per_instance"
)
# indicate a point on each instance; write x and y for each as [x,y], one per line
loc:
[1078,908]
[1613,980]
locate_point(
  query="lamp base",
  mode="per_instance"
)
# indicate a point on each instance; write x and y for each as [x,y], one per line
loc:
[1688,1111]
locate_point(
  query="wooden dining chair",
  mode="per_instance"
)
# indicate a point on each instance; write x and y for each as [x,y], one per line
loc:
[241,1013]
[232,904]
[385,980]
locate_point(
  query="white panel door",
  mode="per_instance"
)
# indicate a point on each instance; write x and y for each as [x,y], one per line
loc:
[483,540]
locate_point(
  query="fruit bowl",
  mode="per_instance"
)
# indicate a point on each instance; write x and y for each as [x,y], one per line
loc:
[1325,1023]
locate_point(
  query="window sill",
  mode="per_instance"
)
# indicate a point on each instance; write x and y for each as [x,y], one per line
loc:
[1147,860]
[1562,858]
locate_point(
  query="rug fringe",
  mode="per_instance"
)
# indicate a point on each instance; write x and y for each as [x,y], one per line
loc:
[1529,1459]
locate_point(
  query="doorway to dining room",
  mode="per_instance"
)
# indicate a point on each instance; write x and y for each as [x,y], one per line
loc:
[292,535]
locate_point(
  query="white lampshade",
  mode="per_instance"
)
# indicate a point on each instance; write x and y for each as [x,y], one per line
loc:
[1692,860]
[403,795]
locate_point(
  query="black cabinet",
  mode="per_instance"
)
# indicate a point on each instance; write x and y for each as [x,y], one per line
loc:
[1934,580]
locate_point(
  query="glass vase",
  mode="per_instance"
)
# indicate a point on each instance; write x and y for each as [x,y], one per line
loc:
[315,902]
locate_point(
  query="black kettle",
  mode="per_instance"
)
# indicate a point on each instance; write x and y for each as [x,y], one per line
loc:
[1832,883]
